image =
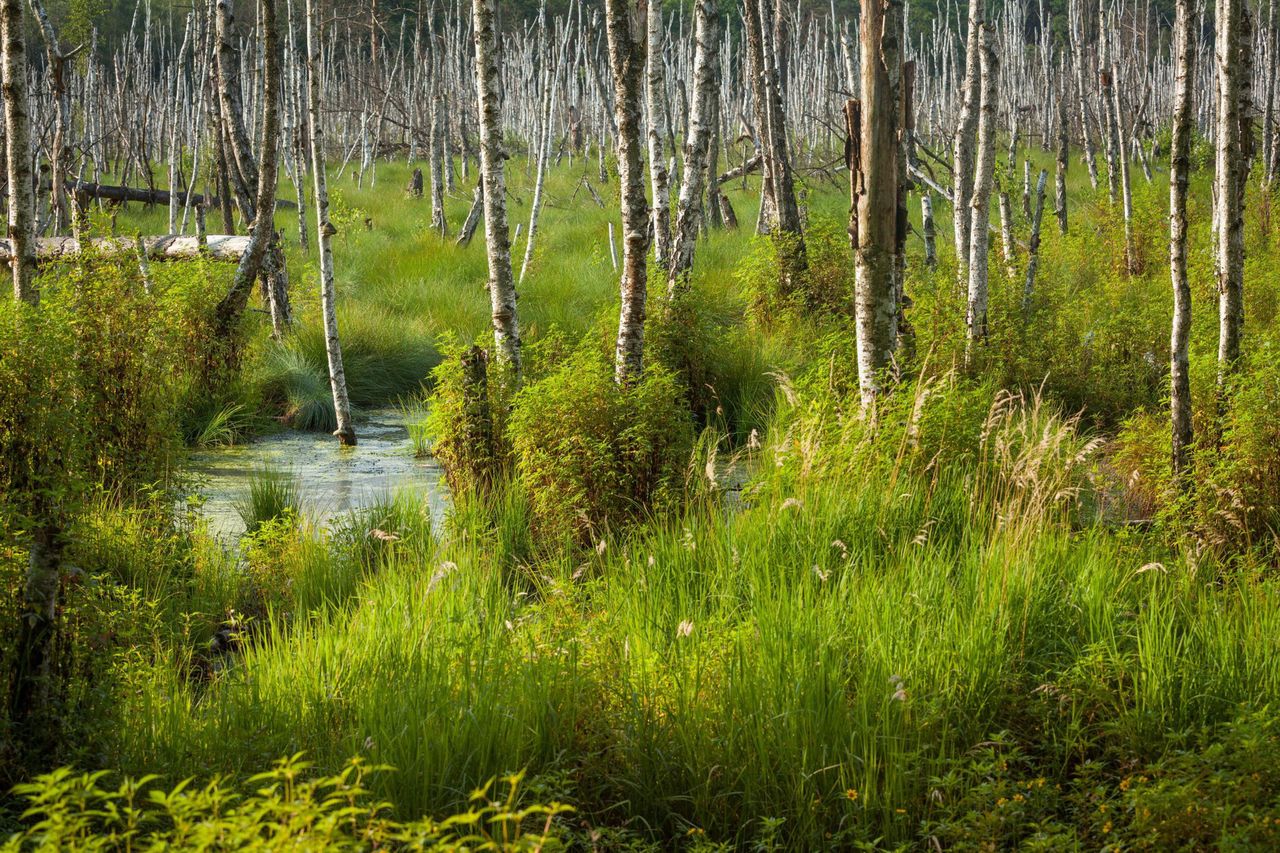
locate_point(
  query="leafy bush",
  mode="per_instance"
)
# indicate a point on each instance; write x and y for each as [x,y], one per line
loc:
[823,290]
[285,808]
[468,425]
[592,456]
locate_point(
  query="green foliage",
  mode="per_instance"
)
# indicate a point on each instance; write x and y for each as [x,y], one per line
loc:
[823,290]
[594,457]
[286,808]
[723,371]
[467,426]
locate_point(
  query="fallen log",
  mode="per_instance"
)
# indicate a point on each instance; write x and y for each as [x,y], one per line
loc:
[746,168]
[146,196]
[169,247]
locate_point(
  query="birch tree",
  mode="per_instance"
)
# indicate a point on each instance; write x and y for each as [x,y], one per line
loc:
[324,232]
[17,125]
[656,95]
[706,86]
[625,22]
[44,566]
[262,172]
[966,133]
[1179,176]
[980,201]
[1233,56]
[502,288]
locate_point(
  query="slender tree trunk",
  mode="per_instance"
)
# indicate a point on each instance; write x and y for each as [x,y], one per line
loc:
[1232,51]
[1064,159]
[1179,176]
[706,83]
[324,231]
[1033,244]
[40,593]
[439,128]
[966,133]
[980,203]
[17,125]
[625,22]
[59,148]
[264,173]
[502,287]
[656,95]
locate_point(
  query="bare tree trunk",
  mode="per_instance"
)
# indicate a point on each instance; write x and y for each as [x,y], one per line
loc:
[324,231]
[656,95]
[873,159]
[502,286]
[17,126]
[966,132]
[706,83]
[1005,209]
[980,203]
[439,128]
[262,208]
[1033,244]
[1179,177]
[625,21]
[59,148]
[1232,51]
[551,80]
[929,229]
[1064,159]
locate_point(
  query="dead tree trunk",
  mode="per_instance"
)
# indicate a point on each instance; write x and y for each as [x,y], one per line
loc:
[873,154]
[59,148]
[324,231]
[502,286]
[706,83]
[1179,177]
[980,203]
[625,22]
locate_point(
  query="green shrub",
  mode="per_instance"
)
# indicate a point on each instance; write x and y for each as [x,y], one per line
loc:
[591,456]
[286,808]
[467,426]
[824,289]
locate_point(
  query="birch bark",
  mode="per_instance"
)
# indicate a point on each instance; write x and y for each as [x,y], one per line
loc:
[502,287]
[324,231]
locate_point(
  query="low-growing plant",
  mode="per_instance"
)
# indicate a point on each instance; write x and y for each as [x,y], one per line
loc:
[289,807]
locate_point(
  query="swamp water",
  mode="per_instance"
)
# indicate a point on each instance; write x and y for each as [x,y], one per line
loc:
[332,481]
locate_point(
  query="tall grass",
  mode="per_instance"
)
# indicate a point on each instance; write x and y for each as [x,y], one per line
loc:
[832,637]
[272,495]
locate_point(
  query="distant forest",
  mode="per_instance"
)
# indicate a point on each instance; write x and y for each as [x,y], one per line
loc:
[113,19]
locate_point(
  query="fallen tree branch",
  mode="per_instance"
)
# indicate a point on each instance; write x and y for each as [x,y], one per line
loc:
[164,248]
